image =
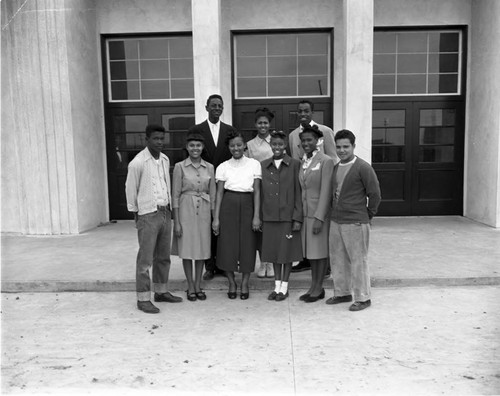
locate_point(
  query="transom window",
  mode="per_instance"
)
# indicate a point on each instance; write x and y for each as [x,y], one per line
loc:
[282,65]
[150,68]
[417,62]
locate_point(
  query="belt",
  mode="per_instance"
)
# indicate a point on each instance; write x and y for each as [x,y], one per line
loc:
[238,192]
[202,195]
[164,208]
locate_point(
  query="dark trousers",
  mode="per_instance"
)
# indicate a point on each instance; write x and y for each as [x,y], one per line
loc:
[154,232]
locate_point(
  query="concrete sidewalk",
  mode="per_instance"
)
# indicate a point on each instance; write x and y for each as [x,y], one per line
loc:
[409,251]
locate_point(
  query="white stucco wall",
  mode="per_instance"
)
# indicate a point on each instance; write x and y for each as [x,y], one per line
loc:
[482,166]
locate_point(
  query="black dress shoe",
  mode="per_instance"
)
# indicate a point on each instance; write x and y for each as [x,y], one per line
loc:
[147,307]
[208,275]
[338,300]
[231,295]
[190,296]
[201,295]
[281,296]
[272,296]
[304,296]
[303,265]
[167,297]
[312,299]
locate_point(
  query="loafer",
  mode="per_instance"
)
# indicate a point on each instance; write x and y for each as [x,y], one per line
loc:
[338,299]
[304,296]
[272,296]
[281,296]
[208,275]
[360,305]
[167,297]
[303,265]
[312,299]
[147,307]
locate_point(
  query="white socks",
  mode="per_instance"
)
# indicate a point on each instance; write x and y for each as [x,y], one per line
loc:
[284,287]
[277,286]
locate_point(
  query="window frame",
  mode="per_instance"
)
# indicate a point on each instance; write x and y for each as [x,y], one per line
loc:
[329,55]
[462,50]
[107,62]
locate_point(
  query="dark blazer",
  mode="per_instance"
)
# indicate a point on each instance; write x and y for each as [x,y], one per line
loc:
[212,153]
[316,183]
[280,191]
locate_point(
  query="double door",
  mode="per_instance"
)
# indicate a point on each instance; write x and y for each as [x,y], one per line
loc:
[125,137]
[417,153]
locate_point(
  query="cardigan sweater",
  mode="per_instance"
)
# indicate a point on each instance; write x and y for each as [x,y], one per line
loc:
[359,184]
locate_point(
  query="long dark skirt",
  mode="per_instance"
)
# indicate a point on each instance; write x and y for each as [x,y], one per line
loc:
[237,244]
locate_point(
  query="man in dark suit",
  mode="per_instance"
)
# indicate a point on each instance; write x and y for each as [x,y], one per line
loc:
[214,131]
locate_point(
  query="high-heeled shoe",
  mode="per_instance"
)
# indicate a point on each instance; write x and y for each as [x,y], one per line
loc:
[312,299]
[231,295]
[244,296]
[303,297]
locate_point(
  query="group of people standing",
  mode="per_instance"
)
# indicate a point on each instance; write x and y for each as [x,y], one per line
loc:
[296,197]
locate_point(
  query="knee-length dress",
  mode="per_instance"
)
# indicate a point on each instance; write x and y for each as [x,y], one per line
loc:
[237,243]
[281,203]
[193,193]
[315,178]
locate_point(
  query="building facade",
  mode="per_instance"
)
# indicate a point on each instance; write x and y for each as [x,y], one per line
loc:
[416,81]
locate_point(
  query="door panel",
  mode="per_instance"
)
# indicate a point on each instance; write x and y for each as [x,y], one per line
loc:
[417,153]
[125,138]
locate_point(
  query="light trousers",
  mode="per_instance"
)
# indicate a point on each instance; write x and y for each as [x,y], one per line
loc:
[349,260]
[154,231]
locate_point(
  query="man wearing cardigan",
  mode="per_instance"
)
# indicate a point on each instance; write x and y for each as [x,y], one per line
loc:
[356,197]
[214,131]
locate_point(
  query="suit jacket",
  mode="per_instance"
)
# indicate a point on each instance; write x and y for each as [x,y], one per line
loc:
[327,146]
[316,183]
[212,153]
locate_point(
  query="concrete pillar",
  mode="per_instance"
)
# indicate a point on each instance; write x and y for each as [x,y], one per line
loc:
[482,162]
[52,131]
[357,79]
[206,16]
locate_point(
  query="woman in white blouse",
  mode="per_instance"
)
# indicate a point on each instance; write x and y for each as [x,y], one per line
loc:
[236,215]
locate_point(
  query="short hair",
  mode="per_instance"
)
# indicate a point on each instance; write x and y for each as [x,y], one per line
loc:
[214,96]
[305,101]
[278,135]
[345,134]
[195,137]
[154,128]
[264,112]
[233,135]
[311,129]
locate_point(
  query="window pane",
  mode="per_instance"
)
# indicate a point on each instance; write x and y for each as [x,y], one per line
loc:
[124,70]
[388,118]
[377,154]
[412,63]
[437,117]
[412,42]
[393,136]
[182,89]
[443,83]
[123,50]
[181,68]
[251,45]
[130,140]
[437,154]
[251,67]
[313,65]
[411,84]
[437,135]
[282,66]
[394,154]
[181,47]
[251,87]
[282,86]
[154,69]
[155,89]
[130,123]
[313,44]
[384,84]
[383,64]
[444,42]
[125,90]
[313,86]
[282,44]
[443,63]
[178,122]
[153,48]
[384,43]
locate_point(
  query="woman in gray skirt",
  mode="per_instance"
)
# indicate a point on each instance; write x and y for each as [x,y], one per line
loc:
[236,214]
